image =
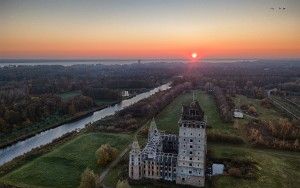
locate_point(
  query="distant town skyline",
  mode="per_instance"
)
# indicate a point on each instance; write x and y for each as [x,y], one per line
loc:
[150,29]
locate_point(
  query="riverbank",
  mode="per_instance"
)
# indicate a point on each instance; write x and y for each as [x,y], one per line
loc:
[46,137]
[24,162]
[76,117]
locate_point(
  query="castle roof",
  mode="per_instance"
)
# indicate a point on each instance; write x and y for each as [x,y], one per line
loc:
[192,112]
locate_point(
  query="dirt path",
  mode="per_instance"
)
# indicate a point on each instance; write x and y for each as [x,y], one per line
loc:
[114,163]
[117,160]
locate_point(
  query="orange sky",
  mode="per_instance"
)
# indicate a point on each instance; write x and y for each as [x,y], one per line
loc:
[220,29]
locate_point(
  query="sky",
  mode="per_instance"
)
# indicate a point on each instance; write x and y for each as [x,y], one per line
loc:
[149,28]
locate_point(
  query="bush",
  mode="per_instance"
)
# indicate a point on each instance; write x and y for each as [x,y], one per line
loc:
[252,110]
[266,103]
[122,184]
[88,179]
[105,154]
[235,172]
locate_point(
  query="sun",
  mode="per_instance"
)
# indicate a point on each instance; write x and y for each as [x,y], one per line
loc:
[194,55]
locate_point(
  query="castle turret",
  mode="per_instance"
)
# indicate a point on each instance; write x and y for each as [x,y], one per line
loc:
[135,162]
[192,146]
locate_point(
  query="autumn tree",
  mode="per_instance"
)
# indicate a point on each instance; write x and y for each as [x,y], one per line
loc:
[252,110]
[105,154]
[88,179]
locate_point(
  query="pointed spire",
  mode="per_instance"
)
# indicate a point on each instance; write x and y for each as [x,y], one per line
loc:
[153,124]
[135,145]
[152,129]
[193,96]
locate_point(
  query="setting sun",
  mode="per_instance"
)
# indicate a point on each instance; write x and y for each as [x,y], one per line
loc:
[194,55]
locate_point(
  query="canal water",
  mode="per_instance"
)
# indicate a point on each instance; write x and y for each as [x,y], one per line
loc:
[21,147]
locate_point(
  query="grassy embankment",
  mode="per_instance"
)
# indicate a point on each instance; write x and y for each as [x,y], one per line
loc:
[63,166]
[275,168]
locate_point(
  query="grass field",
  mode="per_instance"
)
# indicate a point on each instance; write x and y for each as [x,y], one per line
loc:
[68,95]
[168,119]
[264,113]
[63,166]
[104,102]
[276,168]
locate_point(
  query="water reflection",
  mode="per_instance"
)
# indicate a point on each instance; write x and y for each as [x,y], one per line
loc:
[13,151]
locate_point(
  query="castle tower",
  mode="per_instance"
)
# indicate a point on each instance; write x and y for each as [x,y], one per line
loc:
[192,146]
[135,162]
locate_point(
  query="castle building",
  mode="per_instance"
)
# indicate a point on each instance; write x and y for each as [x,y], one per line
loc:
[169,157]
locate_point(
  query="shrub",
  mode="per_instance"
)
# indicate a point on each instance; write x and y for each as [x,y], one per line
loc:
[252,110]
[266,103]
[88,179]
[122,184]
[105,154]
[235,172]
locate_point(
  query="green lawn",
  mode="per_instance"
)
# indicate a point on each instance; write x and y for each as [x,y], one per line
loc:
[104,101]
[168,118]
[264,113]
[68,95]
[276,168]
[63,166]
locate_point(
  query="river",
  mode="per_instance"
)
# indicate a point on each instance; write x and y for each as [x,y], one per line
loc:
[10,152]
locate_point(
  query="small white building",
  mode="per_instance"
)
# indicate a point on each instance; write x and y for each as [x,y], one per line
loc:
[125,94]
[238,114]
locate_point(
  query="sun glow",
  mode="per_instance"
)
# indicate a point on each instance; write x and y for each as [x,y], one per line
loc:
[194,55]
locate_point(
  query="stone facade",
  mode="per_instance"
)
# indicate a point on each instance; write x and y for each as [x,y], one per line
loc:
[169,157]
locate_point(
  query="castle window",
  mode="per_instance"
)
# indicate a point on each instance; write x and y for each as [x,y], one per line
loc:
[191,146]
[191,140]
[183,179]
[191,164]
[192,152]
[191,158]
[190,172]
[192,112]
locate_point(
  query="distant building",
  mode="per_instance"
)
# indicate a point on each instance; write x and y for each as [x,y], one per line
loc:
[125,94]
[169,157]
[238,114]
